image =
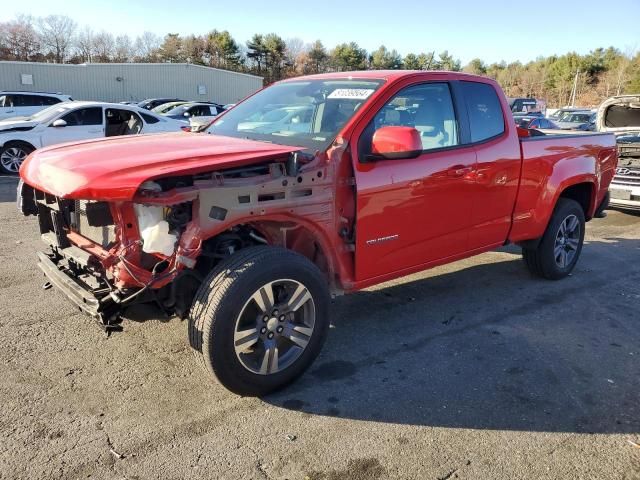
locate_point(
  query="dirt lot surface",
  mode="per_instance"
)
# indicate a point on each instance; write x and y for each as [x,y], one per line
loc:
[475,370]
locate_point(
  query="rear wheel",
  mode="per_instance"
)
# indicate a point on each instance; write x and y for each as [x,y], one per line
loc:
[12,156]
[561,245]
[260,319]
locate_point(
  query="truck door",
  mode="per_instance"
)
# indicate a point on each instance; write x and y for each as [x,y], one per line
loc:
[413,211]
[499,160]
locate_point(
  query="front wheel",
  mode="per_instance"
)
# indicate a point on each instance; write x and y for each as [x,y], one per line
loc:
[561,245]
[12,156]
[260,319]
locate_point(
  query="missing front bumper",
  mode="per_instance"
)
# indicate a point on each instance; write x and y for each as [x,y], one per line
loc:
[102,310]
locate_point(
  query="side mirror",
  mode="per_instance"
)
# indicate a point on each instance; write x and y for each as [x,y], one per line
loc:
[59,123]
[396,142]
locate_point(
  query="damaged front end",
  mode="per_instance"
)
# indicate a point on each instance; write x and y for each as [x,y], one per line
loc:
[159,246]
[105,256]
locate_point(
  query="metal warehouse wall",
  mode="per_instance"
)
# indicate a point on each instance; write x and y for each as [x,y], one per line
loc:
[115,82]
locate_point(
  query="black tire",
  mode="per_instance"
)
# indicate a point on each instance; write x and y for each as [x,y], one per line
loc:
[20,148]
[542,261]
[220,301]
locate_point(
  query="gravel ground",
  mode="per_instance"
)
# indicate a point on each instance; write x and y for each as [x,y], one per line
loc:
[474,370]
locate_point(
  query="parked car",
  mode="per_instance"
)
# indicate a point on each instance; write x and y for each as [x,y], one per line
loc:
[23,104]
[187,111]
[527,105]
[574,121]
[200,124]
[248,233]
[562,111]
[621,116]
[71,121]
[165,107]
[590,125]
[534,122]
[151,103]
[295,118]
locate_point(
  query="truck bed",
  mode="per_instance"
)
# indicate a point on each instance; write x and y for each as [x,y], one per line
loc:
[547,161]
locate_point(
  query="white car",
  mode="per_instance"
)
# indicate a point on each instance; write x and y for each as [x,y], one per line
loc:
[296,118]
[620,115]
[72,121]
[203,111]
[23,104]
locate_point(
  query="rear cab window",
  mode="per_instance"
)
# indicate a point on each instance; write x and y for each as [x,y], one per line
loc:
[486,119]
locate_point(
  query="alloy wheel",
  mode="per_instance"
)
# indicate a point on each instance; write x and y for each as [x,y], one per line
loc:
[567,241]
[274,327]
[12,158]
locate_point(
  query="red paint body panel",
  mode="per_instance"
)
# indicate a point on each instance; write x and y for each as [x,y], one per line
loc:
[552,165]
[373,221]
[113,168]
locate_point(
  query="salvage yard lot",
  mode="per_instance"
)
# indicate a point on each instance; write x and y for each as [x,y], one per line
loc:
[473,370]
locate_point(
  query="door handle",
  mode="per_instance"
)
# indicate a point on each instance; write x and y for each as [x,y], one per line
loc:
[459,170]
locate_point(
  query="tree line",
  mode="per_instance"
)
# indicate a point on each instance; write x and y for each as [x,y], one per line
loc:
[58,39]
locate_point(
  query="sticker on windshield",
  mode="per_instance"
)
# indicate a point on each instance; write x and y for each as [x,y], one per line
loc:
[352,93]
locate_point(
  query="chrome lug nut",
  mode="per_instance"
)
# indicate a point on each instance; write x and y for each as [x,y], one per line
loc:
[265,319]
[270,335]
[279,329]
[281,318]
[275,313]
[263,330]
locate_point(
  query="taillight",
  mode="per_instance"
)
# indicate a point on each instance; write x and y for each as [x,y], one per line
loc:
[186,128]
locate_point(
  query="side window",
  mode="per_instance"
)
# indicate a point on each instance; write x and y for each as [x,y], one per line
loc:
[485,113]
[201,111]
[84,116]
[122,122]
[19,101]
[5,101]
[149,118]
[427,107]
[49,100]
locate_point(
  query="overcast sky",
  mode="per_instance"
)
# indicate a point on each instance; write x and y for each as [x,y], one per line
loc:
[490,29]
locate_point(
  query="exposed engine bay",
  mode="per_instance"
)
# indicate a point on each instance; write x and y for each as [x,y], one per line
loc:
[160,247]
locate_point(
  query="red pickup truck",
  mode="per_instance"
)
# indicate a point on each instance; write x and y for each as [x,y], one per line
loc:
[312,187]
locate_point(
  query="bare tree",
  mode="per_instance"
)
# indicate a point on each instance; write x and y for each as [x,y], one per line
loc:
[56,33]
[123,49]
[146,47]
[20,39]
[103,46]
[84,45]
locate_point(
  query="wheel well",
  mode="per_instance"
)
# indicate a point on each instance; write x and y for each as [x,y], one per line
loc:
[289,235]
[18,142]
[581,193]
[225,244]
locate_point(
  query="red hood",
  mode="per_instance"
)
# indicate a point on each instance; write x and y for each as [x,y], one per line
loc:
[113,169]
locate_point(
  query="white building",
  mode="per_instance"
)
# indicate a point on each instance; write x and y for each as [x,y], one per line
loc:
[116,82]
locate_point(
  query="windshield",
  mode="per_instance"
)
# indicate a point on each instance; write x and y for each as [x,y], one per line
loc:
[307,113]
[179,110]
[165,107]
[49,113]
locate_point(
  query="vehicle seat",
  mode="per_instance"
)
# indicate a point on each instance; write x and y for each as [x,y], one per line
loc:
[429,121]
[133,126]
